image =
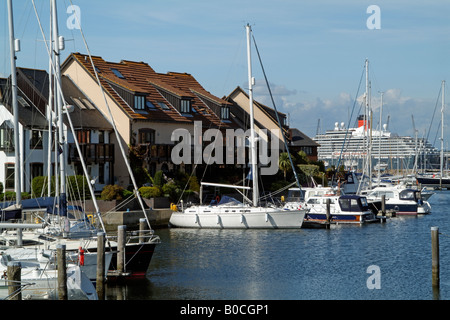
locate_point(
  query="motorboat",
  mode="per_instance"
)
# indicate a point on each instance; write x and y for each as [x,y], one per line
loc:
[402,201]
[352,209]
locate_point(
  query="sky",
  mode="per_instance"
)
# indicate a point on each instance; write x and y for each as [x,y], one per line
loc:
[313,52]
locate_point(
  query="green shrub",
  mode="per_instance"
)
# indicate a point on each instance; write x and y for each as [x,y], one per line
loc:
[127,193]
[112,192]
[77,187]
[158,180]
[150,192]
[11,196]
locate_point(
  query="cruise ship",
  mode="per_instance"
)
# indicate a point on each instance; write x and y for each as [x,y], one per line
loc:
[389,151]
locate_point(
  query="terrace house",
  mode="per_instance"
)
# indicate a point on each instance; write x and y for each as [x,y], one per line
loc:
[146,107]
[266,118]
[33,100]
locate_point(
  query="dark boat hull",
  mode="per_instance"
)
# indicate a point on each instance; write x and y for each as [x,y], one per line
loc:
[434,182]
[137,259]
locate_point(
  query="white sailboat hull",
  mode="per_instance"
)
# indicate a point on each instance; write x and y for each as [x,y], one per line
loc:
[237,218]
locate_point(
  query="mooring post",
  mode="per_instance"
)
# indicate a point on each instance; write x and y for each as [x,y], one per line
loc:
[328,213]
[62,271]
[142,228]
[100,282]
[121,230]
[13,273]
[435,256]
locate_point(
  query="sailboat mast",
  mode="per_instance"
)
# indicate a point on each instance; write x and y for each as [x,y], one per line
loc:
[254,167]
[50,110]
[13,49]
[56,48]
[442,132]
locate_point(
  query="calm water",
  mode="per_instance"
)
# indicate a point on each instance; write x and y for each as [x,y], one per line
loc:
[306,264]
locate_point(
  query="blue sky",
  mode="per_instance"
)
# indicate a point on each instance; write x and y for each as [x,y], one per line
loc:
[313,51]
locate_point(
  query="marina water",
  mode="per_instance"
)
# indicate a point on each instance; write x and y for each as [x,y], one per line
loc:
[305,264]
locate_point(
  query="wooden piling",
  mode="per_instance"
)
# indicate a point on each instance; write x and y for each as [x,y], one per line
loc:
[13,273]
[142,228]
[100,281]
[121,230]
[62,271]
[328,213]
[435,256]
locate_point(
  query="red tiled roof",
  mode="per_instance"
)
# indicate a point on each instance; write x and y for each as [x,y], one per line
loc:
[139,77]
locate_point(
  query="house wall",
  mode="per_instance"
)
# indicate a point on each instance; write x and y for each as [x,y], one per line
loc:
[90,87]
[244,102]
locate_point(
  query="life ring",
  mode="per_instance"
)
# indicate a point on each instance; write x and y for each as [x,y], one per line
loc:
[217,199]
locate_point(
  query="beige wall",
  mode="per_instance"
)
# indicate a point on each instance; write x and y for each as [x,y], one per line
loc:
[90,88]
[244,102]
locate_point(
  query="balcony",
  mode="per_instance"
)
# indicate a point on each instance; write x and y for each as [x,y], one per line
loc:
[93,153]
[155,152]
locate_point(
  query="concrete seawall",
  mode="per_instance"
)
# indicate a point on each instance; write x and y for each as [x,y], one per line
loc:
[115,213]
[158,218]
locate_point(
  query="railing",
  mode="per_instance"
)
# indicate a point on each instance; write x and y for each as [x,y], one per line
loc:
[92,152]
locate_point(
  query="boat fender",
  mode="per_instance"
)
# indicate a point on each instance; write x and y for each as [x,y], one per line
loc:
[81,256]
[267,217]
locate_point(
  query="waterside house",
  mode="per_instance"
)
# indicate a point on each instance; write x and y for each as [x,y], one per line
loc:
[146,108]
[266,118]
[33,100]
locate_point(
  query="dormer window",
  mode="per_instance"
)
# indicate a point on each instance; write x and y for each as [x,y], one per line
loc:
[117,73]
[185,106]
[224,113]
[139,102]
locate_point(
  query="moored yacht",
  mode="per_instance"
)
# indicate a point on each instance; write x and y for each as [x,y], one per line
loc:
[352,209]
[402,201]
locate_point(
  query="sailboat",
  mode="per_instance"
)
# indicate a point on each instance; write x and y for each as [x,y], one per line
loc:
[57,227]
[230,213]
[437,181]
[40,277]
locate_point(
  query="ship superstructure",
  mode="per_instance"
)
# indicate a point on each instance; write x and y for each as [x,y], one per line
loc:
[350,147]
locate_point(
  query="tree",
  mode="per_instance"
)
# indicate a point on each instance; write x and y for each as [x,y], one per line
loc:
[284,163]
